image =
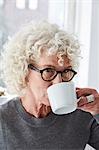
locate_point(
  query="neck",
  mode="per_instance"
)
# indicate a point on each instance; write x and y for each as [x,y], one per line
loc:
[34,106]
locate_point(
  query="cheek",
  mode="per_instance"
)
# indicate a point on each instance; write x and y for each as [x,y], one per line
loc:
[43,85]
[35,81]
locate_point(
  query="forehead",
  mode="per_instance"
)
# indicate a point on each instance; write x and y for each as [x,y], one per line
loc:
[46,60]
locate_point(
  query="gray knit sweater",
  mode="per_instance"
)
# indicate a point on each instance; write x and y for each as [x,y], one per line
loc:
[21,131]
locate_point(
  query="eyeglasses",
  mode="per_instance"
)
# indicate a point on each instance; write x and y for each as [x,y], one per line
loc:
[48,74]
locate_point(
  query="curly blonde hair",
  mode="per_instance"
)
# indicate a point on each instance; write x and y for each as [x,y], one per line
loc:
[27,46]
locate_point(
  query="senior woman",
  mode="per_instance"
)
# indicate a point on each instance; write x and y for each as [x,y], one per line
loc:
[37,57]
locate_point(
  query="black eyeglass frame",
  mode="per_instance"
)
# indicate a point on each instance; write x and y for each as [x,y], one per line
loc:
[61,72]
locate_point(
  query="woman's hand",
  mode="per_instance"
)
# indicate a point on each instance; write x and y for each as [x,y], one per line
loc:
[83,102]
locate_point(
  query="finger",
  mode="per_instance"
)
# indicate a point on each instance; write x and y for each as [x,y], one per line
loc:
[85,100]
[89,105]
[77,88]
[92,107]
[82,101]
[85,92]
[97,97]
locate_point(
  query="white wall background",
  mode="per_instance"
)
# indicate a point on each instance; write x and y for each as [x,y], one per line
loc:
[93,80]
[81,17]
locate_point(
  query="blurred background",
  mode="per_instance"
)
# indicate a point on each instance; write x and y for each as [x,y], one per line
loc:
[80,17]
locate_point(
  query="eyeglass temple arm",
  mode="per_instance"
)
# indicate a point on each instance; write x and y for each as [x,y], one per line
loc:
[33,68]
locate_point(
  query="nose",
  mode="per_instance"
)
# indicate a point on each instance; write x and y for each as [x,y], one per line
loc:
[57,79]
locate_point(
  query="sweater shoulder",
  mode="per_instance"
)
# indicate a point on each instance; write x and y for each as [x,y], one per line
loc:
[83,114]
[8,108]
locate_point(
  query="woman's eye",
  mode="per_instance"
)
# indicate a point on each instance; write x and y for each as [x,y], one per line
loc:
[48,72]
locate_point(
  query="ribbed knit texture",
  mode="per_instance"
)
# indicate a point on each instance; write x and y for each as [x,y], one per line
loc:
[21,131]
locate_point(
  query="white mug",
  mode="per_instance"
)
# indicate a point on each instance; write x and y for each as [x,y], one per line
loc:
[62,97]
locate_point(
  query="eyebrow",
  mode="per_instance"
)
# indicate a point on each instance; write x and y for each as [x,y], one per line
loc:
[50,66]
